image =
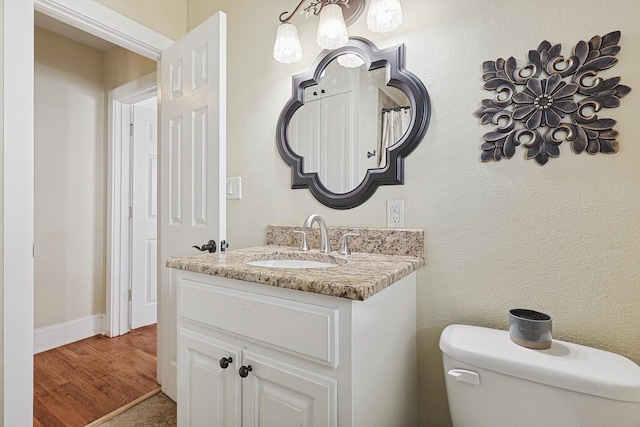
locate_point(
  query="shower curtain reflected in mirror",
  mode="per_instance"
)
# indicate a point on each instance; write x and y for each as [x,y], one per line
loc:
[395,122]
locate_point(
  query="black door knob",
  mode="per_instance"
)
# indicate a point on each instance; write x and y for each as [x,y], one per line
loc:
[209,246]
[244,371]
[225,361]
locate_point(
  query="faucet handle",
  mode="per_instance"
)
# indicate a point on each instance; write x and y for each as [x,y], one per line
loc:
[344,249]
[304,246]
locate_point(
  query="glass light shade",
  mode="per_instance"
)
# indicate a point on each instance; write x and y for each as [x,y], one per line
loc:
[332,31]
[384,15]
[350,60]
[287,48]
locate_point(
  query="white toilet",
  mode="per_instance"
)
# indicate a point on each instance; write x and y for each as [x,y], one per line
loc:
[493,382]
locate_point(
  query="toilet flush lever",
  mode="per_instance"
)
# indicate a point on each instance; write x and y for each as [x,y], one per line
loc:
[465,376]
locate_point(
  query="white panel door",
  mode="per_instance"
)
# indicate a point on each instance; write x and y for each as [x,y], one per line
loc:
[304,136]
[336,135]
[144,242]
[275,394]
[192,165]
[321,131]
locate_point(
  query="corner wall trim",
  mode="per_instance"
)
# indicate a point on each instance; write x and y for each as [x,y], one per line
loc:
[53,336]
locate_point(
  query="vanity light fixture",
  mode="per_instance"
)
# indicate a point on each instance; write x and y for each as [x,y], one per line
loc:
[335,16]
[384,15]
[350,60]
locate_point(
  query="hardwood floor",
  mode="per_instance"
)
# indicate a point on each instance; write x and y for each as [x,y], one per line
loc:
[83,381]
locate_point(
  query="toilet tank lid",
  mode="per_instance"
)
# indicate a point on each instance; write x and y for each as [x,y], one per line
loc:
[565,365]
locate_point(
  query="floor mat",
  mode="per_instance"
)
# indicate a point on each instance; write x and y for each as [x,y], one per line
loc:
[156,411]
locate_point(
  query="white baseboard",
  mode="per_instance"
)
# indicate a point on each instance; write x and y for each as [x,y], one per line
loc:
[53,336]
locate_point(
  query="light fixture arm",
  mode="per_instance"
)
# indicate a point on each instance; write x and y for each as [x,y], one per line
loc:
[315,6]
[291,14]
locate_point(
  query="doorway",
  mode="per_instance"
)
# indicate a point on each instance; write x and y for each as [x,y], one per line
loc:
[75,169]
[133,204]
[18,217]
[18,167]
[70,186]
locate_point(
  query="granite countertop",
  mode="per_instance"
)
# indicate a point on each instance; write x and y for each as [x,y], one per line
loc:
[357,276]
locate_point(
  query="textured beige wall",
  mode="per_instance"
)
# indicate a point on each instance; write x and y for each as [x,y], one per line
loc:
[167,17]
[69,180]
[562,238]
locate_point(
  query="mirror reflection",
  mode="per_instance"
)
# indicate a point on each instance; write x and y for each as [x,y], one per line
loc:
[348,120]
[344,130]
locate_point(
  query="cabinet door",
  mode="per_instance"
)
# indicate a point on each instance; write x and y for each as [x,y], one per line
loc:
[208,394]
[276,394]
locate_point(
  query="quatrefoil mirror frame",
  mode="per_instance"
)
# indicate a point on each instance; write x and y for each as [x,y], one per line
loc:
[396,76]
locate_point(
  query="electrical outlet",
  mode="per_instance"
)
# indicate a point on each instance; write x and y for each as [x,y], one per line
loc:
[395,213]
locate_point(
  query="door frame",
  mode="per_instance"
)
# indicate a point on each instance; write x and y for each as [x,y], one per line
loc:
[16,212]
[107,24]
[17,317]
[118,265]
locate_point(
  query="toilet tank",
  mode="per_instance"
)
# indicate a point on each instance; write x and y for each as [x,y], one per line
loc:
[493,382]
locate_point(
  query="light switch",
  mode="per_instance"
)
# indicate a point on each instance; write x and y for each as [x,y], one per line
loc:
[234,188]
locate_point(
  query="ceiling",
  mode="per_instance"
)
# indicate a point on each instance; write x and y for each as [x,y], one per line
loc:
[47,23]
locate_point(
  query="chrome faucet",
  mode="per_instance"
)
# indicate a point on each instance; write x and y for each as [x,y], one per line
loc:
[325,244]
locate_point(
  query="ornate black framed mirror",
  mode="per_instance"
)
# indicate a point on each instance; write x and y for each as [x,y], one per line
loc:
[351,121]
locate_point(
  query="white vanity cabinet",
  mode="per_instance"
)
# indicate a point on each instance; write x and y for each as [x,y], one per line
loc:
[258,355]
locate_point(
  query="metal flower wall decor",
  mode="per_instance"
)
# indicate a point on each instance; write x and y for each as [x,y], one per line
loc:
[551,100]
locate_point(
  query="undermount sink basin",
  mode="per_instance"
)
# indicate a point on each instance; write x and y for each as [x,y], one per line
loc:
[295,260]
[291,263]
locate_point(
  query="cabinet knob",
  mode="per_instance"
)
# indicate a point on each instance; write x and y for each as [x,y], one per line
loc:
[244,371]
[225,361]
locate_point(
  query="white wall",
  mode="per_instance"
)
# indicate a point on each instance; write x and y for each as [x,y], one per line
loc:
[562,238]
[69,180]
